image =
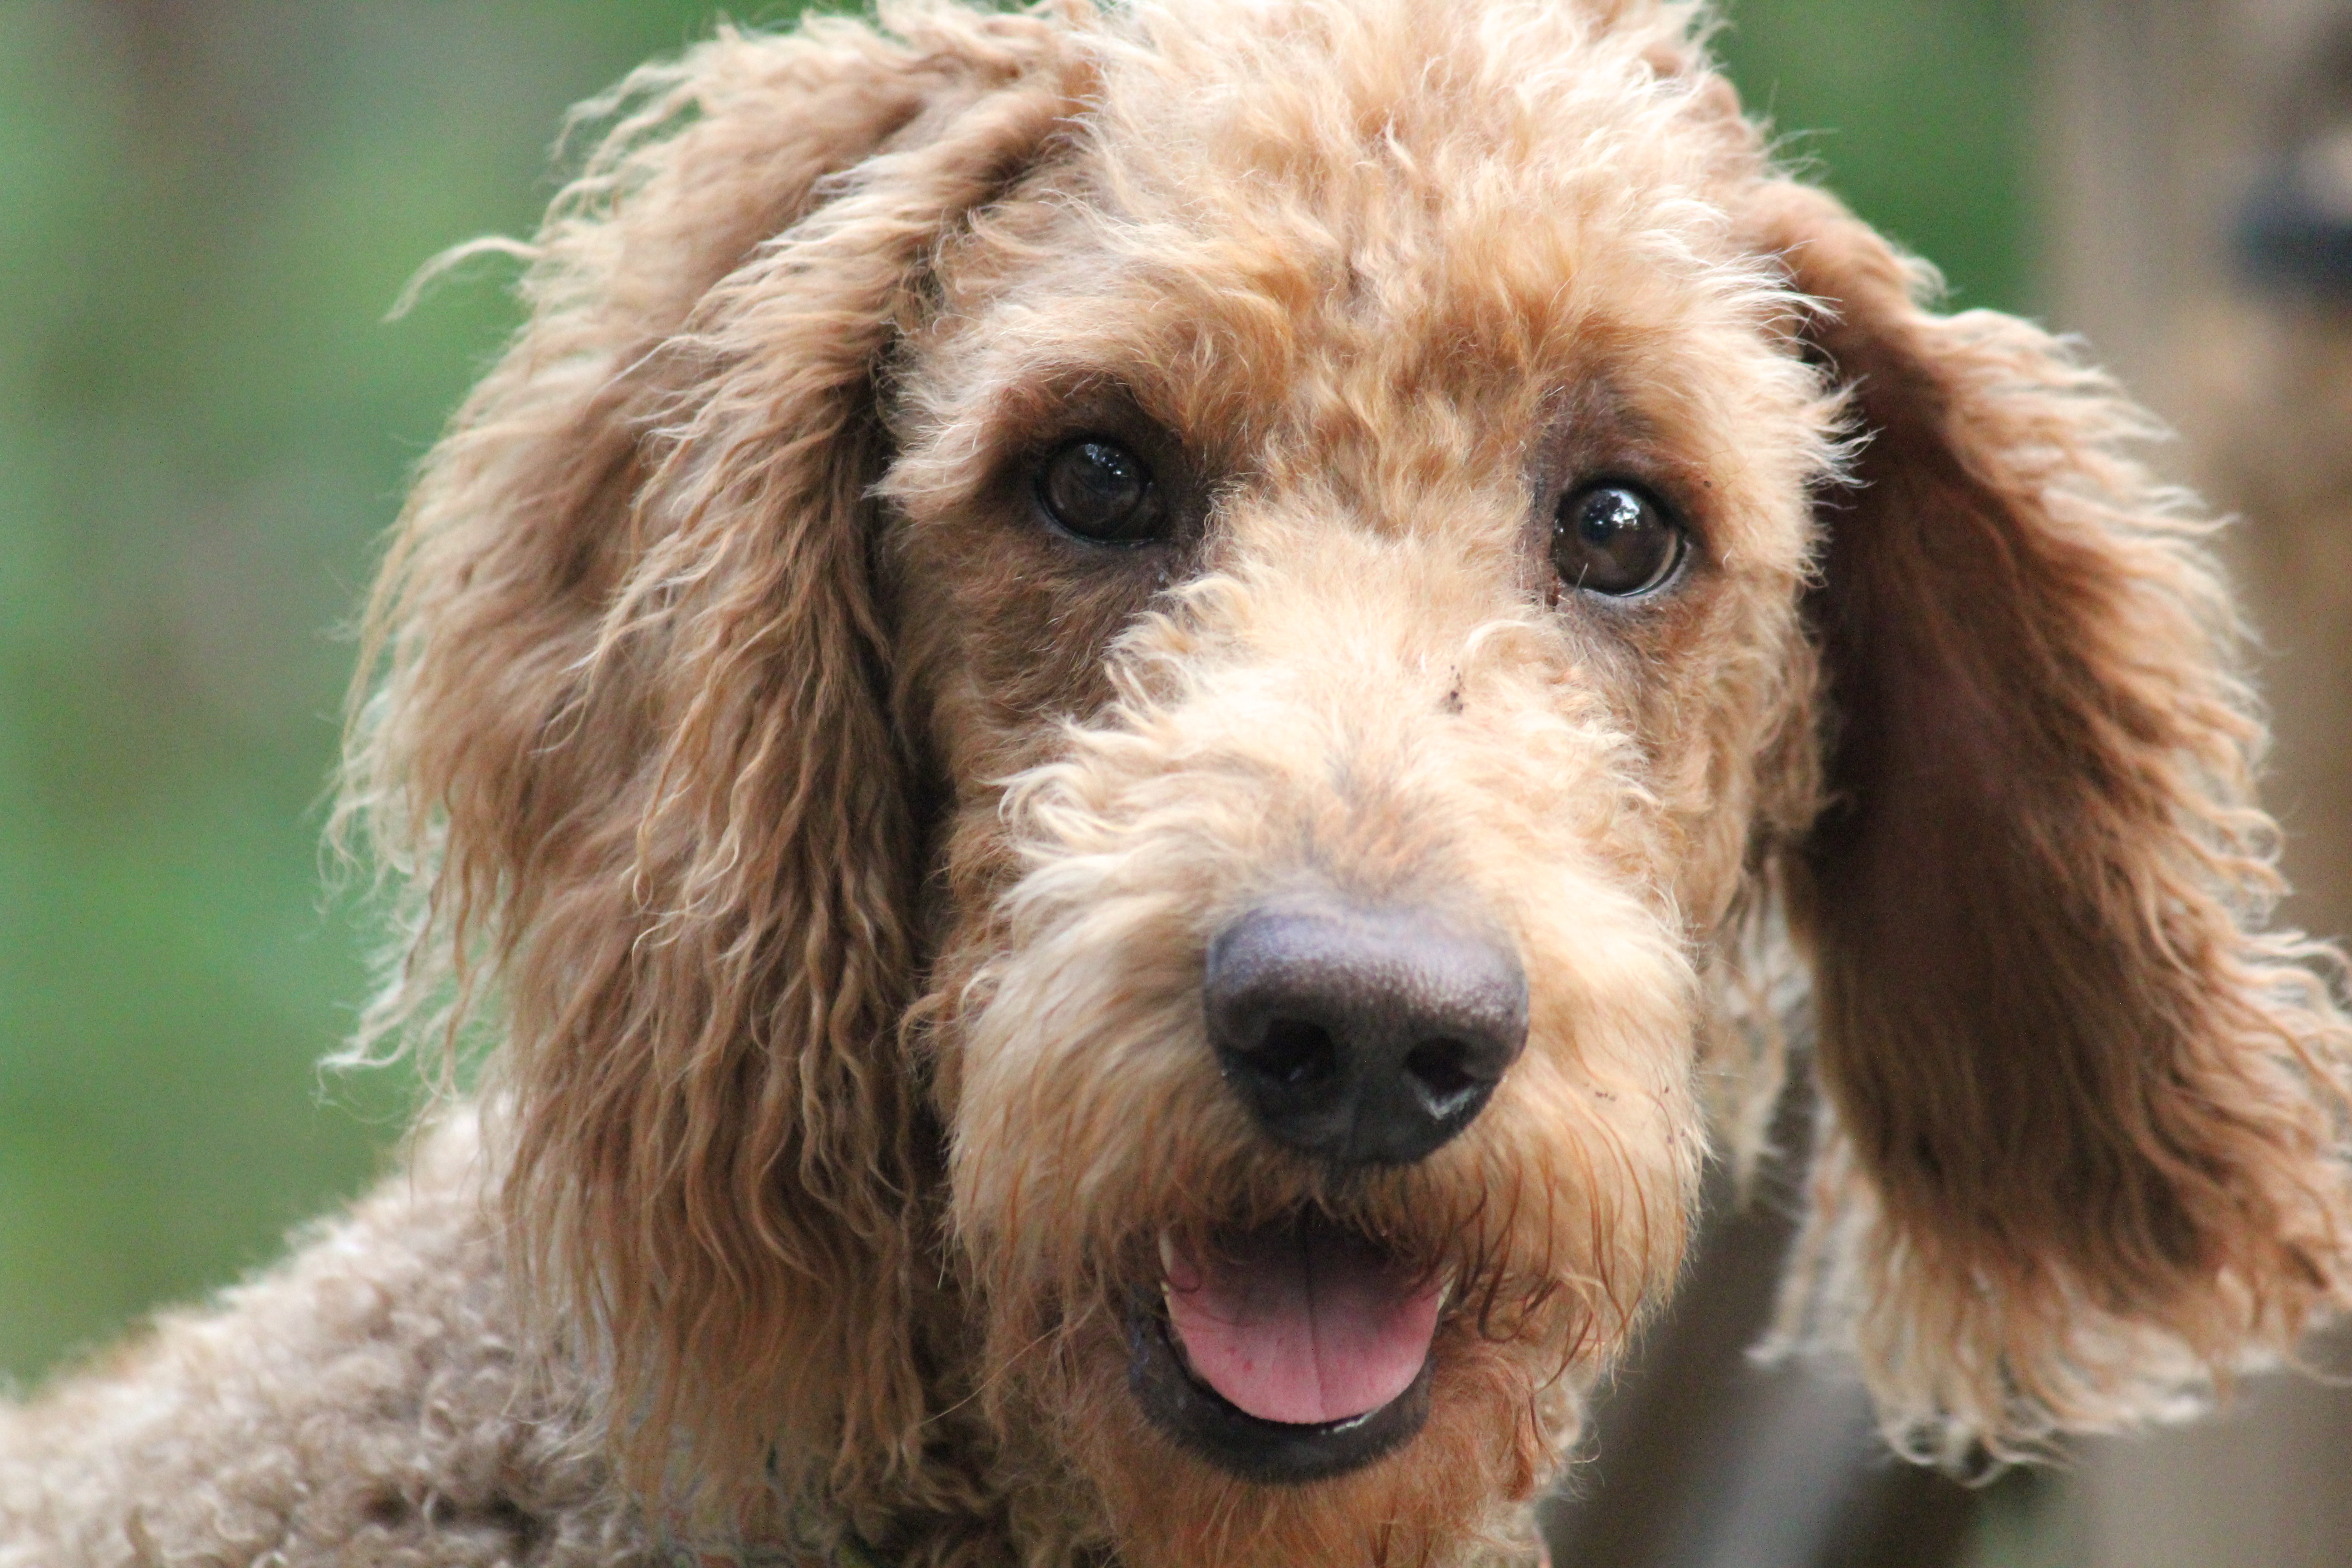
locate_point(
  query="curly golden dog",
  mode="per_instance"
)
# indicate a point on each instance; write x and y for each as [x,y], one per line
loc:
[1116,718]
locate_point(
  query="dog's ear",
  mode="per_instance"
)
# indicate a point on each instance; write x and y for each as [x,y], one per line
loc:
[2084,1139]
[631,744]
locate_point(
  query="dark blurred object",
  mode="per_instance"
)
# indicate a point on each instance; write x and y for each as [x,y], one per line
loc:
[2297,228]
[2296,231]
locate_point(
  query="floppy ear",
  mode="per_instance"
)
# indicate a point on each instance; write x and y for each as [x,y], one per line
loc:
[632,746]
[2085,1126]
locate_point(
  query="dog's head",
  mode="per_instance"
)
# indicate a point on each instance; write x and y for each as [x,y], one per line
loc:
[1117,700]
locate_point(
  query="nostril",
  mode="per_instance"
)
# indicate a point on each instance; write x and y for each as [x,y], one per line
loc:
[1296,1053]
[1441,1068]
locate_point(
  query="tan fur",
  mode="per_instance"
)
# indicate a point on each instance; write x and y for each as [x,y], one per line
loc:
[828,851]
[366,1403]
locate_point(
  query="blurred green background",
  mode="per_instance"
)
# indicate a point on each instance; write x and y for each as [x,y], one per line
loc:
[206,208]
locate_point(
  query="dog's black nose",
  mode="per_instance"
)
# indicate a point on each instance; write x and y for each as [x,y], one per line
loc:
[1368,1036]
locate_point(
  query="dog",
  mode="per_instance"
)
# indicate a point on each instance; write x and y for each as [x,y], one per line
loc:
[1121,721]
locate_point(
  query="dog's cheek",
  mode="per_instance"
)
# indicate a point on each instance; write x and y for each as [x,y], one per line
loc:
[1598,1179]
[1614,1005]
[1090,1113]
[1001,628]
[1598,1128]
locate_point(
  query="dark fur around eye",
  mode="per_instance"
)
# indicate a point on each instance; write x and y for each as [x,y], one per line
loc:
[1616,540]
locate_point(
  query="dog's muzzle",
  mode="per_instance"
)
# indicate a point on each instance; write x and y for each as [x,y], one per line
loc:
[1364,1036]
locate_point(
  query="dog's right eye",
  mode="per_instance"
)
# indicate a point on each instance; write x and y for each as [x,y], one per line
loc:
[1102,492]
[1616,540]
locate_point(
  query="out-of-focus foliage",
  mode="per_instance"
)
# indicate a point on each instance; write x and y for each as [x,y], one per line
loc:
[1918,111]
[206,208]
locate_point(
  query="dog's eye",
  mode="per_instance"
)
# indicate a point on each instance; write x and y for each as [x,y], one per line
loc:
[1101,491]
[1616,540]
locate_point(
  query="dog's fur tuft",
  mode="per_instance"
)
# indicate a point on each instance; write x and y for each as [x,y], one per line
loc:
[833,847]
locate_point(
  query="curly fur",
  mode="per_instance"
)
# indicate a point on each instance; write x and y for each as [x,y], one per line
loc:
[828,851]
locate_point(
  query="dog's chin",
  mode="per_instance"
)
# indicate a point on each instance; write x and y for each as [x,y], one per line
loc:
[1294,1353]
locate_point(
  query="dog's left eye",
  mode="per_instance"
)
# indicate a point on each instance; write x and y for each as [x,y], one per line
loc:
[1101,491]
[1615,540]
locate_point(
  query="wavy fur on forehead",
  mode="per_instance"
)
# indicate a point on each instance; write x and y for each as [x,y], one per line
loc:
[636,732]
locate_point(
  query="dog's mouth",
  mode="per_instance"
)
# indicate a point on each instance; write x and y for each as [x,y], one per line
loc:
[1295,1352]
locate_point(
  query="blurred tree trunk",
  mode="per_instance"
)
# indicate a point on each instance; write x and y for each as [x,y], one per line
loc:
[2172,134]
[2162,122]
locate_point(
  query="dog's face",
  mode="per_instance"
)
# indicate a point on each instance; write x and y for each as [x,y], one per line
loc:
[1345,584]
[1115,694]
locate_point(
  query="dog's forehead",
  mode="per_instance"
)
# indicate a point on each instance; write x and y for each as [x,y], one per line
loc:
[1361,237]
[1454,162]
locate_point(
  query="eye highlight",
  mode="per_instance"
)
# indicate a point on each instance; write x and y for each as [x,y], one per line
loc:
[1616,540]
[1101,492]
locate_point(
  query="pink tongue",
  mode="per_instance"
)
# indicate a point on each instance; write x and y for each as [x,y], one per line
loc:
[1301,1325]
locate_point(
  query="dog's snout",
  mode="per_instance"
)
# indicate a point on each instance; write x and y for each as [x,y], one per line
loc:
[1367,1036]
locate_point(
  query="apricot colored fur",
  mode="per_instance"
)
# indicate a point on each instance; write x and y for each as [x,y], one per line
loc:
[823,850]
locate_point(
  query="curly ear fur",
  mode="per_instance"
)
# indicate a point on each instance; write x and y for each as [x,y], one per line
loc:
[632,754]
[2087,1124]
